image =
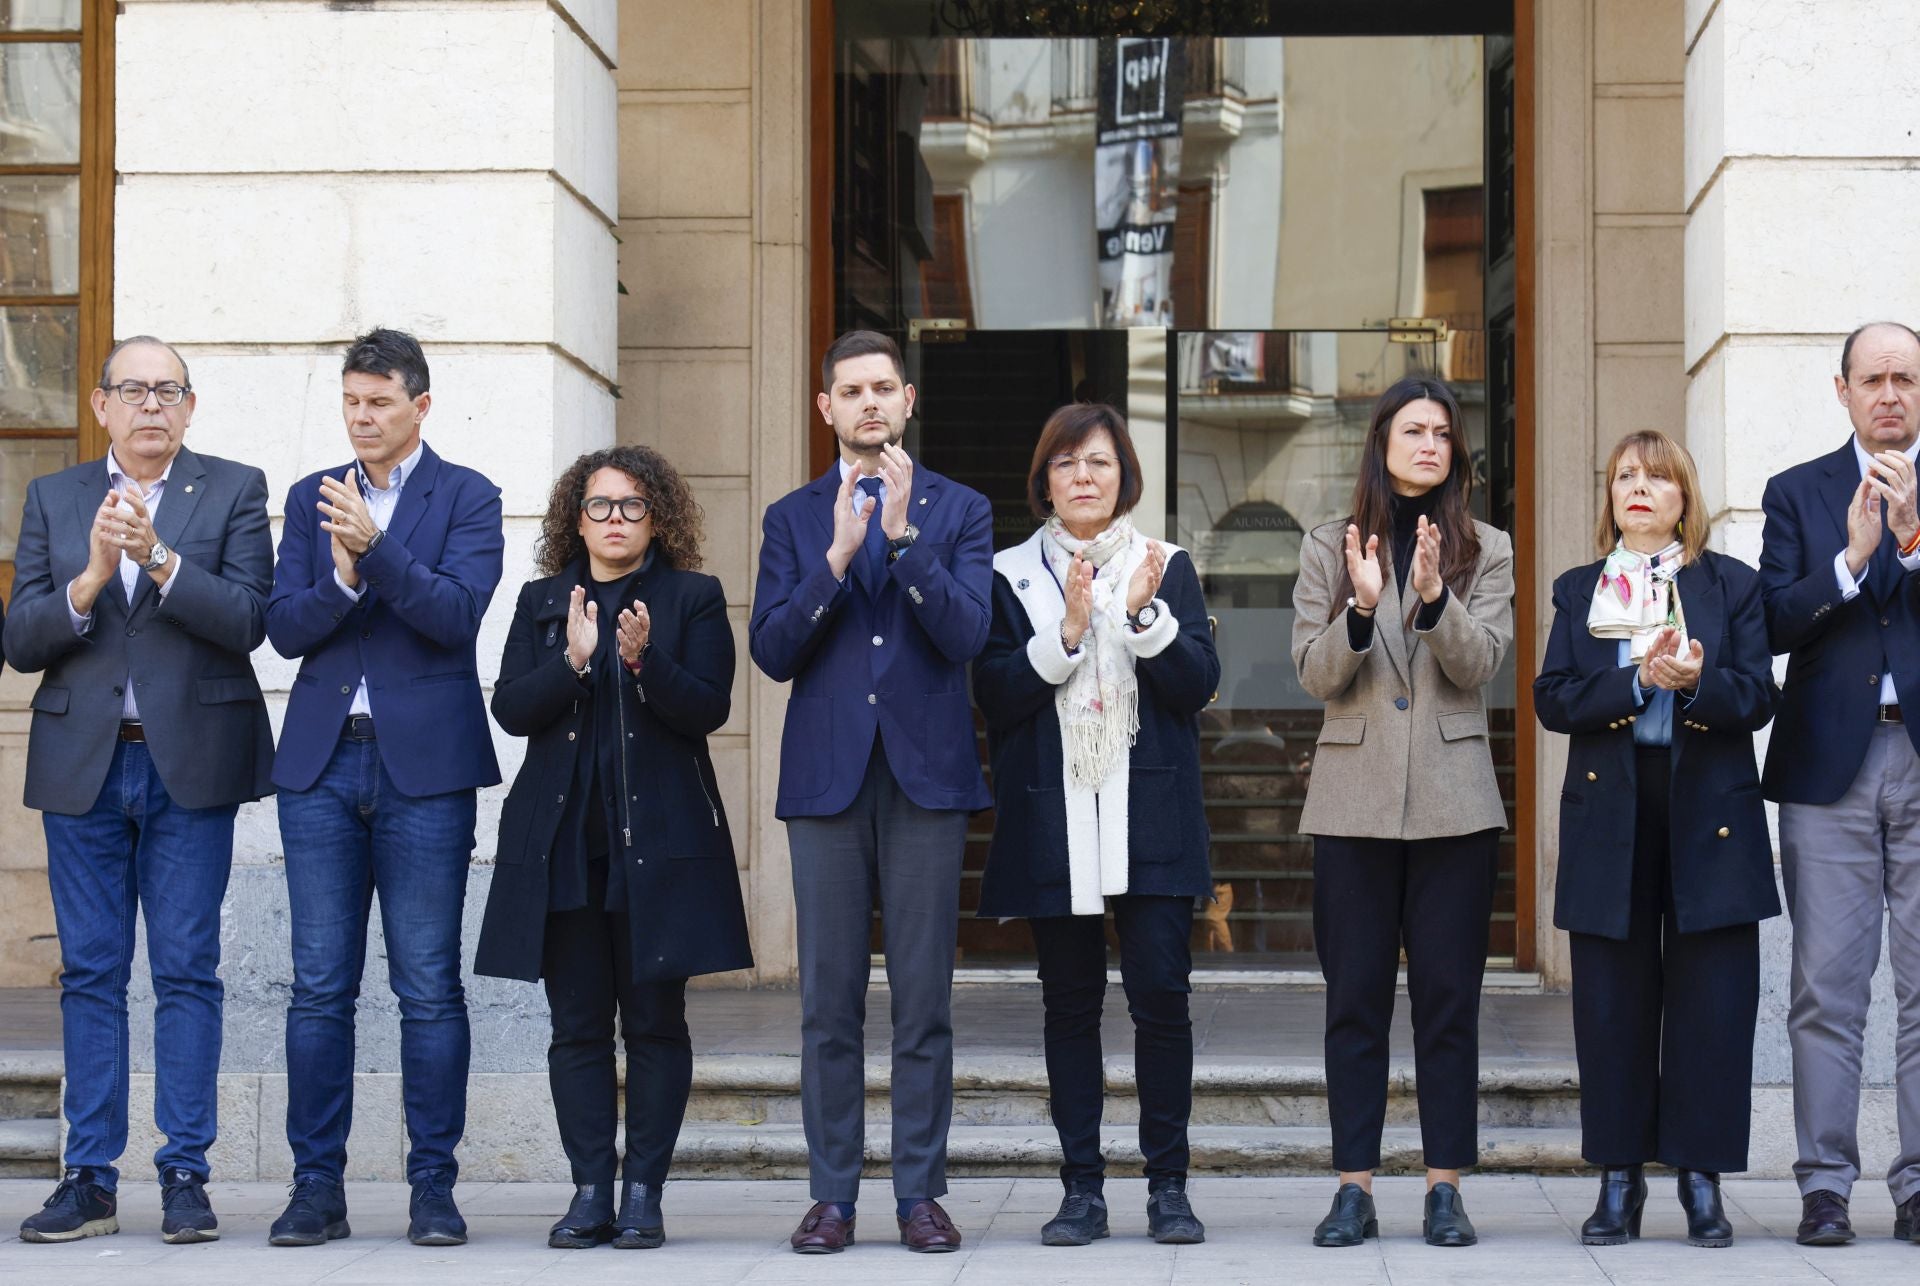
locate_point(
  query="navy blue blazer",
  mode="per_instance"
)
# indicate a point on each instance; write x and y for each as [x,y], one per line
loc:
[894,662]
[1719,854]
[425,588]
[1837,651]
[1168,845]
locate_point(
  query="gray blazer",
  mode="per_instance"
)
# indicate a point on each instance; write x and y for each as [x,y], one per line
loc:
[206,722]
[1403,751]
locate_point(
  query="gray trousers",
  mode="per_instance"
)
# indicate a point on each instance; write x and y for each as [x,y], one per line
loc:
[1845,865]
[884,844]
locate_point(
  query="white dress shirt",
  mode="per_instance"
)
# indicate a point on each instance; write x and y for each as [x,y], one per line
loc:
[859,498]
[1850,588]
[381,502]
[130,571]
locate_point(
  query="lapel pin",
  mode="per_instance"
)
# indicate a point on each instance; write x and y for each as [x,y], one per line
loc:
[1023,583]
[189,488]
[923,500]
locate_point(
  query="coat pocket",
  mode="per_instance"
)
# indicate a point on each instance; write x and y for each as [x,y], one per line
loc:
[1457,725]
[1343,730]
[50,700]
[232,687]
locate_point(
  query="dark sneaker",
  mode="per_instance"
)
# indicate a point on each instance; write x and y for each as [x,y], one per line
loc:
[316,1214]
[639,1225]
[186,1215]
[1081,1222]
[1906,1219]
[78,1208]
[588,1221]
[432,1218]
[1170,1218]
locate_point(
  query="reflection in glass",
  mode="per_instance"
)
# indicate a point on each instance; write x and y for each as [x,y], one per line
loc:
[39,15]
[38,360]
[21,461]
[40,104]
[39,234]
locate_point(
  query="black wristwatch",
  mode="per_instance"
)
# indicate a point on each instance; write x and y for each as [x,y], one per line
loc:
[903,542]
[1143,618]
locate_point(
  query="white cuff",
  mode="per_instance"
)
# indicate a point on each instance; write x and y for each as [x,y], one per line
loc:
[167,587]
[1157,637]
[345,588]
[1050,661]
[1910,562]
[1849,587]
[81,624]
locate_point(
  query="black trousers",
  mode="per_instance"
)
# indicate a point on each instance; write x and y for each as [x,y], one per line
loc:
[589,976]
[1369,897]
[1155,963]
[1663,1021]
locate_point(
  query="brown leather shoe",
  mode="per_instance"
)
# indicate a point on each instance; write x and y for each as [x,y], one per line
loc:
[823,1231]
[1824,1220]
[927,1229]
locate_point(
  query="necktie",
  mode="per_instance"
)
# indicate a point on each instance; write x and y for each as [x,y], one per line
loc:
[1883,569]
[875,549]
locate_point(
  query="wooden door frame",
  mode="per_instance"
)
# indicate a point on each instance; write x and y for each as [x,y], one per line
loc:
[819,260]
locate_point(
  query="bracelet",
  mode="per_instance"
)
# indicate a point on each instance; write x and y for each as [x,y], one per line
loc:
[1063,642]
[1353,605]
[580,672]
[1912,547]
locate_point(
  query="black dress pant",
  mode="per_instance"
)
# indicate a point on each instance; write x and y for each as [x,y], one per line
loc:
[1663,1021]
[588,971]
[1155,964]
[1369,897]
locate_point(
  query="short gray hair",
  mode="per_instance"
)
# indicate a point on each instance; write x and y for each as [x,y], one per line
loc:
[106,367]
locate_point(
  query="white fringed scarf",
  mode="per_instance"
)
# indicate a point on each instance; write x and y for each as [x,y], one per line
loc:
[1637,597]
[1099,706]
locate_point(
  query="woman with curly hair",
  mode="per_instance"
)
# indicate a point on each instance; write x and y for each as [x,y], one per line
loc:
[615,877]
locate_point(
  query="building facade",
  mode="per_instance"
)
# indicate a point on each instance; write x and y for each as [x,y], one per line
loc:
[641,220]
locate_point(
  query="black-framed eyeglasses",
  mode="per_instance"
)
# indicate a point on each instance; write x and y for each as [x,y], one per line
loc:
[134,393]
[599,509]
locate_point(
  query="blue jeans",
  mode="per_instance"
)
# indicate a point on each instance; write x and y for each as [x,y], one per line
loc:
[350,835]
[137,848]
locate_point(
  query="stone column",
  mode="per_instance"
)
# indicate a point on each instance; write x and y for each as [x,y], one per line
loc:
[1803,220]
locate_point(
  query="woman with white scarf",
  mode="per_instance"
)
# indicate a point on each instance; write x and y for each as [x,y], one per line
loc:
[1659,671]
[1095,671]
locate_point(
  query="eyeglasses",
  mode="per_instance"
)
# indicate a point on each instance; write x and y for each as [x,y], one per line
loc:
[1065,466]
[134,393]
[599,509]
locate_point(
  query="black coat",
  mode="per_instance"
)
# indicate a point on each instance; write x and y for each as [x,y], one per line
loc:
[683,894]
[1721,858]
[1167,839]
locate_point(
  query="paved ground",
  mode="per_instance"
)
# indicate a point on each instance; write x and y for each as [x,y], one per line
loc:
[735,1232]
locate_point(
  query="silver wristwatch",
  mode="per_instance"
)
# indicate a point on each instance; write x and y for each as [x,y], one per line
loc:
[158,557]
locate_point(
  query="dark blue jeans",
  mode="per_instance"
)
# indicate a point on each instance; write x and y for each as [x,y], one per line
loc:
[348,836]
[137,848]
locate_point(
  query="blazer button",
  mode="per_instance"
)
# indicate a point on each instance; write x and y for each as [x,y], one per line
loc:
[1885,621]
[345,689]
[570,736]
[872,700]
[1873,678]
[1399,703]
[877,640]
[1593,776]
[1723,832]
[560,799]
[1632,717]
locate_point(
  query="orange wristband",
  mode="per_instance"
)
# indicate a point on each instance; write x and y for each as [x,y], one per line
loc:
[1912,546]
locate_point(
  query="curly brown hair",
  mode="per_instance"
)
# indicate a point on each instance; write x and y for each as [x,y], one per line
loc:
[677,516]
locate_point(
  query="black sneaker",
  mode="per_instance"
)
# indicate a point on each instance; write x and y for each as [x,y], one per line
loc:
[588,1221]
[1170,1218]
[639,1225]
[316,1214]
[432,1218]
[185,1214]
[78,1208]
[1081,1222]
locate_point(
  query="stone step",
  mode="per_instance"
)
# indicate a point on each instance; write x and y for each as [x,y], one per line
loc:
[1012,1091]
[29,1083]
[710,1150]
[29,1148]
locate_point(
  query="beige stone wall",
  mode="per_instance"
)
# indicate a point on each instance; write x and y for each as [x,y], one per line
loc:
[712,121]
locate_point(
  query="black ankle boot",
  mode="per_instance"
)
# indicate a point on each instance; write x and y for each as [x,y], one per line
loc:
[588,1221]
[1616,1216]
[639,1225]
[1700,1197]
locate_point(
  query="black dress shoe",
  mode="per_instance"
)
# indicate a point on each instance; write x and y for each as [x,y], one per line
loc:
[1170,1217]
[639,1225]
[588,1221]
[1906,1219]
[186,1216]
[432,1218]
[1616,1216]
[79,1207]
[316,1214]
[1081,1222]
[1824,1220]
[1446,1222]
[1351,1220]
[1707,1223]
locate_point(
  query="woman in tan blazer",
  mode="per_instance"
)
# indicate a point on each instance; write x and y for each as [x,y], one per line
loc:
[1402,613]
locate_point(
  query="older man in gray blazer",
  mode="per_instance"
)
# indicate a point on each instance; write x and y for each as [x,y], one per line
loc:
[140,588]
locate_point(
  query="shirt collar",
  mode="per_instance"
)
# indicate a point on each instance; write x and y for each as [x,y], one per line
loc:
[115,473]
[1862,459]
[845,468]
[396,479]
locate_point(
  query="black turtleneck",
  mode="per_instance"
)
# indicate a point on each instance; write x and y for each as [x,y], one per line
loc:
[1407,512]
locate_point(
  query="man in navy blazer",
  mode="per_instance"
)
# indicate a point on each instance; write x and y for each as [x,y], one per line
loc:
[386,567]
[1838,572]
[874,593]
